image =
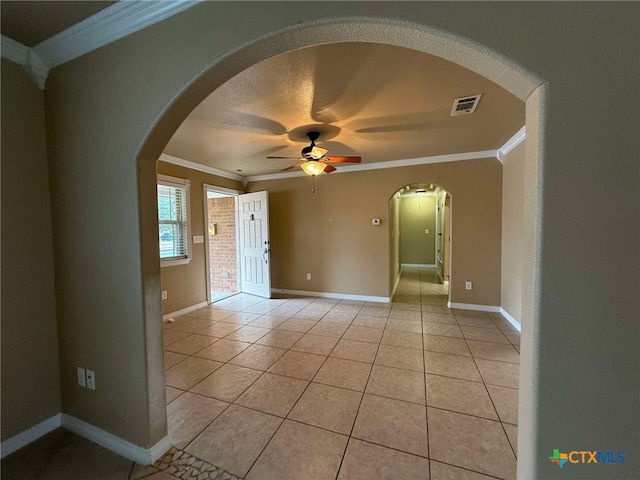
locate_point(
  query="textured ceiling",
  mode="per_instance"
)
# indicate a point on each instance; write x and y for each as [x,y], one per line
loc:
[377,101]
[30,22]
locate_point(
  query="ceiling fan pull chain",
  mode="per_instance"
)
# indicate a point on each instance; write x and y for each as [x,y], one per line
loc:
[313,184]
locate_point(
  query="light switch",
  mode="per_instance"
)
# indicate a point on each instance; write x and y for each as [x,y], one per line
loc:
[198,239]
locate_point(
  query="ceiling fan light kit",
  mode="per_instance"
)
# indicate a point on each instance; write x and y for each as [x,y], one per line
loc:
[312,158]
[313,167]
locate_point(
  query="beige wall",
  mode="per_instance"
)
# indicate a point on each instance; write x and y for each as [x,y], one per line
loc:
[416,215]
[352,256]
[186,285]
[394,241]
[30,375]
[512,228]
[103,117]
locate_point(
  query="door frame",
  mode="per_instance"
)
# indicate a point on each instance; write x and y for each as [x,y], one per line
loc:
[232,193]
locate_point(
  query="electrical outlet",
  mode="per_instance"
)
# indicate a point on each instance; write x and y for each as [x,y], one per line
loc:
[308,276]
[469,285]
[81,380]
[91,380]
[164,294]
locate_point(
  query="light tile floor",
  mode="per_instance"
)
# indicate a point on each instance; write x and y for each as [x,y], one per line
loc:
[306,388]
[312,388]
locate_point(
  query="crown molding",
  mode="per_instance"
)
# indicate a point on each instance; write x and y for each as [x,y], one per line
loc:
[277,176]
[113,23]
[36,68]
[199,167]
[25,56]
[106,26]
[12,50]
[451,157]
[512,143]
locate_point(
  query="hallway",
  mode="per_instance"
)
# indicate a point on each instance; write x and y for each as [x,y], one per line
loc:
[421,285]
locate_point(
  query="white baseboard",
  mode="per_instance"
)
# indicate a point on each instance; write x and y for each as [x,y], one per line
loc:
[342,296]
[473,306]
[184,311]
[32,434]
[422,265]
[511,319]
[143,456]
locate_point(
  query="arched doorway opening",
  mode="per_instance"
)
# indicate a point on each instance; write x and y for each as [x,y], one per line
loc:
[420,243]
[420,38]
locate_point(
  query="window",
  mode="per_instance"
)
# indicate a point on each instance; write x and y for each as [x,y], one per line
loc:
[173,220]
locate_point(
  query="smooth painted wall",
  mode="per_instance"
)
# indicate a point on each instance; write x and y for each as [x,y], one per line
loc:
[394,242]
[512,228]
[186,285]
[30,375]
[329,233]
[418,214]
[122,102]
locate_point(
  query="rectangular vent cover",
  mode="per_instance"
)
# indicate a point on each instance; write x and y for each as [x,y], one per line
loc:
[465,105]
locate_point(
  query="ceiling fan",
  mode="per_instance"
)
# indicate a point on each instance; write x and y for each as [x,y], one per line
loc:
[313,160]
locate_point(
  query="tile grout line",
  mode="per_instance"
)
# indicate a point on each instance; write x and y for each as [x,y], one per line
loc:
[426,394]
[492,402]
[248,387]
[355,418]
[223,364]
[305,389]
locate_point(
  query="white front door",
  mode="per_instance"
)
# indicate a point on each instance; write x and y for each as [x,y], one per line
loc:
[254,244]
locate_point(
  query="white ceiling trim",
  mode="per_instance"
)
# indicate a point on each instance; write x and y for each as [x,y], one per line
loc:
[199,167]
[451,157]
[512,143]
[14,51]
[113,23]
[25,56]
[106,26]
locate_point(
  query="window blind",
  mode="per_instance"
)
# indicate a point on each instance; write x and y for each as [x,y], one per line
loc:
[173,198]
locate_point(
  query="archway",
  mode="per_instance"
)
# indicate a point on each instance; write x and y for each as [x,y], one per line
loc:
[419,37]
[419,239]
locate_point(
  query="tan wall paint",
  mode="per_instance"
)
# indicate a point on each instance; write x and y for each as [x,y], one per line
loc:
[394,242]
[416,215]
[102,116]
[30,375]
[186,285]
[352,256]
[446,244]
[512,231]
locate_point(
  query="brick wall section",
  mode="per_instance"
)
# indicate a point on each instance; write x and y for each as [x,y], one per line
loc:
[222,246]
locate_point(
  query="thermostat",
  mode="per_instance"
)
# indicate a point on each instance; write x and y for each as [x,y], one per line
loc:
[375,221]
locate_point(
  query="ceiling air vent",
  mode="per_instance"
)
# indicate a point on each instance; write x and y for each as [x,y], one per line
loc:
[465,105]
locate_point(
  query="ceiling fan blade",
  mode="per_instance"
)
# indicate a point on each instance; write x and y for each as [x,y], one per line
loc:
[329,169]
[333,159]
[280,157]
[296,165]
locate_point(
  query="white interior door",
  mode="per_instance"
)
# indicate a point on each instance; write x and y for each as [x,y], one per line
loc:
[254,244]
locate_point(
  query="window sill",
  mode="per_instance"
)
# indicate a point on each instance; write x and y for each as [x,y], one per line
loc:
[171,263]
